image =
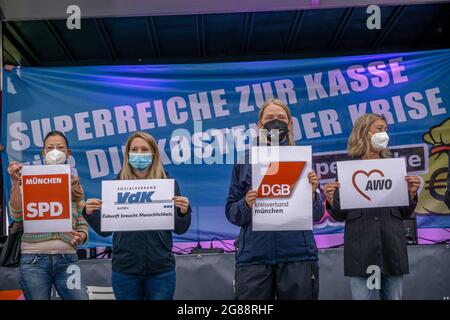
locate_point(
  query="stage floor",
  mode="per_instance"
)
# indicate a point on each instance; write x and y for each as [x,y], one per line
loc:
[210,276]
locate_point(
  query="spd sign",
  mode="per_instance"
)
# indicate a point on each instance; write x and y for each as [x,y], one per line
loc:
[46,198]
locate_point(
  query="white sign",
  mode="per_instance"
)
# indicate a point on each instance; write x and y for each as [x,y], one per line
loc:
[280,174]
[46,198]
[132,205]
[372,183]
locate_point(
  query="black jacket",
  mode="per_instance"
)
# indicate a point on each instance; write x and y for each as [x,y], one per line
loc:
[143,252]
[374,236]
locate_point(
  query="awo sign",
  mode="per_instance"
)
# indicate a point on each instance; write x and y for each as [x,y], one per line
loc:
[280,174]
[379,183]
[46,198]
[372,183]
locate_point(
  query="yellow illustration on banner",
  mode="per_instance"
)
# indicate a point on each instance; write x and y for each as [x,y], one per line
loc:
[431,198]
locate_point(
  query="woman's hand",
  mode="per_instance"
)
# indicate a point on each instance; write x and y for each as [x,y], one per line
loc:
[329,191]
[14,171]
[77,237]
[93,205]
[182,203]
[312,177]
[250,198]
[413,185]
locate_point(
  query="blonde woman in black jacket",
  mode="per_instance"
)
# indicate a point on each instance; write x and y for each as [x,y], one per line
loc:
[143,266]
[374,237]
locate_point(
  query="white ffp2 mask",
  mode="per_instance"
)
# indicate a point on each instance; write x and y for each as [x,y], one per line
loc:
[55,157]
[379,140]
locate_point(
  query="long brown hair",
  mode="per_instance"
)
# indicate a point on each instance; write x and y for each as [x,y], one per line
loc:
[156,170]
[263,138]
[358,142]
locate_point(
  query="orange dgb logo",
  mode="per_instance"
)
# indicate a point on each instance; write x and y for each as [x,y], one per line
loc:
[280,179]
[46,197]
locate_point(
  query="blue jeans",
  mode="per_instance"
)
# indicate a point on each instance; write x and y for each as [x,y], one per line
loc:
[391,288]
[39,272]
[159,286]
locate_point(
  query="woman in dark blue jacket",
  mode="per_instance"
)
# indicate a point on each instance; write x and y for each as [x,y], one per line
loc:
[272,264]
[143,264]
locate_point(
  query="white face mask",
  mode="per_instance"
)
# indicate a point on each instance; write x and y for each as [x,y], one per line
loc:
[379,140]
[55,157]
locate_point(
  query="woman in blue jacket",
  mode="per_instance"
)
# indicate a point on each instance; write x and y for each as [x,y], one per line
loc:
[143,266]
[272,264]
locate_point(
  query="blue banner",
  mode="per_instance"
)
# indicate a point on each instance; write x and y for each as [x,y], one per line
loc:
[204,117]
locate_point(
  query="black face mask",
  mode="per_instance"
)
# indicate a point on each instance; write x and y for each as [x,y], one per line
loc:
[280,132]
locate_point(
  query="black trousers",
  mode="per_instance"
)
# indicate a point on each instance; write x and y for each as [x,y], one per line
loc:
[285,281]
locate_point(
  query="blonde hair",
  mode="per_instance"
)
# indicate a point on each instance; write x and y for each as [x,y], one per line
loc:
[262,137]
[358,142]
[156,170]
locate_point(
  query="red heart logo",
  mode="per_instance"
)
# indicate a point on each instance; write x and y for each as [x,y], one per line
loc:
[367,175]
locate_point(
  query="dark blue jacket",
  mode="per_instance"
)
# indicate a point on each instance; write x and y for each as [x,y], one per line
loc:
[143,252]
[265,247]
